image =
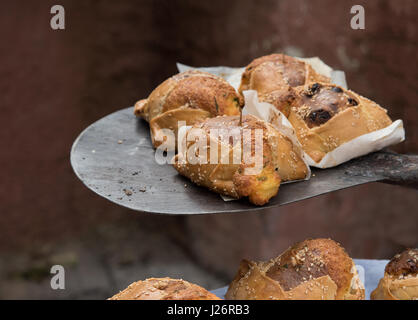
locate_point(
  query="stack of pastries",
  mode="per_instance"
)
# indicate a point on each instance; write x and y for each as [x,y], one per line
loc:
[323,115]
[202,100]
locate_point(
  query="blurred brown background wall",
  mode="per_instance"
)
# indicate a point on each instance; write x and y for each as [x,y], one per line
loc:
[55,83]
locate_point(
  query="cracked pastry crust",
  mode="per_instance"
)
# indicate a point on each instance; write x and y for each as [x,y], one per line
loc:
[274,77]
[164,289]
[315,269]
[281,161]
[190,96]
[400,281]
[325,116]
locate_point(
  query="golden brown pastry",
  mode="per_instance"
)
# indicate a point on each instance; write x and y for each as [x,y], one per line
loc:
[317,269]
[278,161]
[274,77]
[164,289]
[191,96]
[325,116]
[400,281]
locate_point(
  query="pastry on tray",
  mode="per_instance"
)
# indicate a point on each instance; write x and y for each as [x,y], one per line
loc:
[164,289]
[274,77]
[191,96]
[231,172]
[317,269]
[400,281]
[325,116]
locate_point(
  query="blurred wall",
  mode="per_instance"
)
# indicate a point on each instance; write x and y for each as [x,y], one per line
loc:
[55,83]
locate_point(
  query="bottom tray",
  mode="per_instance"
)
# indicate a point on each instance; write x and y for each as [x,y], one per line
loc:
[370,272]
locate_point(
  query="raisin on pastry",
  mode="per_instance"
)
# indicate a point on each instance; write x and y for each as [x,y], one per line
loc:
[325,116]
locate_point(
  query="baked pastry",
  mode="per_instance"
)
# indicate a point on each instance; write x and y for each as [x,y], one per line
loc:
[317,269]
[400,281]
[164,289]
[191,96]
[230,174]
[274,77]
[325,116]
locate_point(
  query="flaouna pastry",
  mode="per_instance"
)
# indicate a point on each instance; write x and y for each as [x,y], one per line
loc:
[248,160]
[191,96]
[325,116]
[318,269]
[400,281]
[274,77]
[164,289]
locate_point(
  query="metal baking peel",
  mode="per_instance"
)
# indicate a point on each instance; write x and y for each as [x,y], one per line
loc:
[114,158]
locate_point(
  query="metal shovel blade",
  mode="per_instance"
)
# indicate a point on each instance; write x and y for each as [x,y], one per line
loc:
[114,158]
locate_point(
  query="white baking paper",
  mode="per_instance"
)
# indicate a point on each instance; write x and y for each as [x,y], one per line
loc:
[270,114]
[370,142]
